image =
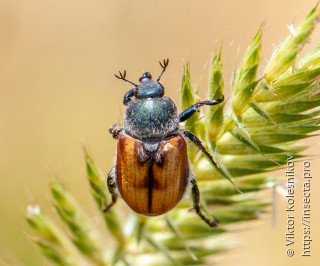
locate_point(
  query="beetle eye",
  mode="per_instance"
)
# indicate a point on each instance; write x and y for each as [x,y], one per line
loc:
[145,75]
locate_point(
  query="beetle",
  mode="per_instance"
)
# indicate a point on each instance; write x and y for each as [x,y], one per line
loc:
[151,171]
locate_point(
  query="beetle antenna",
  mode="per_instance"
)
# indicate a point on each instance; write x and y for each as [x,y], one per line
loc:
[123,77]
[164,66]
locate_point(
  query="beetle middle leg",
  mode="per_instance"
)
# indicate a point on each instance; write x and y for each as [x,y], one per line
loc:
[186,114]
[196,205]
[112,186]
[115,131]
[198,143]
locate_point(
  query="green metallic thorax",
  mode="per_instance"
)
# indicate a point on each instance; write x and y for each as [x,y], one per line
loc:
[150,118]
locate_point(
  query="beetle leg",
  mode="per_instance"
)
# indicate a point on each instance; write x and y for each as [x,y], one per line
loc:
[198,143]
[196,205]
[128,95]
[115,131]
[186,114]
[112,186]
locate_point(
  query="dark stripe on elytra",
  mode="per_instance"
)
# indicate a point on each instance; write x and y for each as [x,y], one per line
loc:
[150,183]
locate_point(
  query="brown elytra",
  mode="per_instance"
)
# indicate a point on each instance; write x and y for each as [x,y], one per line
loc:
[152,188]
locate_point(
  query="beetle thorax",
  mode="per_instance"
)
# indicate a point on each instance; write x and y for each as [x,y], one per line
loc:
[151,118]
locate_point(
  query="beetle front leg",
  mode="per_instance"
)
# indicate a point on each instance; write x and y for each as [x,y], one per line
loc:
[128,95]
[115,131]
[196,205]
[198,143]
[112,186]
[186,114]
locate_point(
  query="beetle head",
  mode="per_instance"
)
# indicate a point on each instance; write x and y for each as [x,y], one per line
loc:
[149,88]
[146,76]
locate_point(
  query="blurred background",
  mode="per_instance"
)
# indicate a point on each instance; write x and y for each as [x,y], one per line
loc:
[57,88]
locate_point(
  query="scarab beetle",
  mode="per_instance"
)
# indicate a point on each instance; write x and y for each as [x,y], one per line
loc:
[152,171]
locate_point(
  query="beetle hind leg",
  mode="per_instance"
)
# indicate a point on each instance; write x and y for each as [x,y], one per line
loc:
[112,186]
[196,205]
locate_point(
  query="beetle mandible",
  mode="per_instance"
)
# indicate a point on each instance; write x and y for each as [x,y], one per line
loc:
[152,171]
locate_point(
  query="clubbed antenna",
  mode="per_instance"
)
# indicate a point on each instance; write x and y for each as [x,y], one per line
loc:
[123,77]
[164,66]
